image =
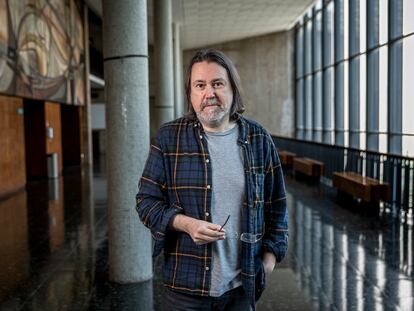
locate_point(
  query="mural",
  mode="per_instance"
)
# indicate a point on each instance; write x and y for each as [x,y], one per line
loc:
[42,50]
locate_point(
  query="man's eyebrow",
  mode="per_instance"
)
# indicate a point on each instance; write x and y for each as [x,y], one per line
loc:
[212,81]
[218,80]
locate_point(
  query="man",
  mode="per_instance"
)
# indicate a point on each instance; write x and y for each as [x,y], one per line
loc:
[213,195]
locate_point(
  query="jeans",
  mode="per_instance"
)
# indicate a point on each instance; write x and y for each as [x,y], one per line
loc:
[233,300]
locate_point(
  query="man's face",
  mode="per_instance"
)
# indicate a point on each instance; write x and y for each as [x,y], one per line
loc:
[211,93]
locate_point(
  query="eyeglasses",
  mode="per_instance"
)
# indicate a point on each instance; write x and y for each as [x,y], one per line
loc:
[225,222]
[245,236]
[251,237]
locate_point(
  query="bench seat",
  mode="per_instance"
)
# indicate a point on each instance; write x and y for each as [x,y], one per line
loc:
[366,188]
[286,158]
[309,167]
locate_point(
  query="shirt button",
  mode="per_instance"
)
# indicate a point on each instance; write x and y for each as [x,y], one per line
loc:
[207,214]
[246,142]
[207,268]
[201,136]
[208,186]
[207,161]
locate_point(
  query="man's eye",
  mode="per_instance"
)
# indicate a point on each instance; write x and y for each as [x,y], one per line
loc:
[218,84]
[199,86]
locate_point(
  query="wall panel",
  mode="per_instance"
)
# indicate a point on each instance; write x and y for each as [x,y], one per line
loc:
[12,158]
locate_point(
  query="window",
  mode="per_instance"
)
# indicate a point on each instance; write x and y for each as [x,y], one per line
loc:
[408,97]
[356,89]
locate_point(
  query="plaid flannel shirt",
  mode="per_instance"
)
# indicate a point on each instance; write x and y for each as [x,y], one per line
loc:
[177,178]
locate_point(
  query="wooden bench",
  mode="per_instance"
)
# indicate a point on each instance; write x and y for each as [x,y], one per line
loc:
[369,190]
[309,167]
[286,158]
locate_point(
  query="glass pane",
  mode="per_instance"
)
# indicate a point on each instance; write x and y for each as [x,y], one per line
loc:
[318,4]
[383,21]
[408,20]
[383,98]
[383,143]
[408,146]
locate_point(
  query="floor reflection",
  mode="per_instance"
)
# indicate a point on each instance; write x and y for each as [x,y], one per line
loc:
[54,253]
[14,252]
[350,262]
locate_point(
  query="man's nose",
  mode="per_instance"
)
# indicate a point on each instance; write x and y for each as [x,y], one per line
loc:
[210,92]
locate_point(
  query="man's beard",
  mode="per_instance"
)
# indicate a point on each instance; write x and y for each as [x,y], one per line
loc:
[214,117]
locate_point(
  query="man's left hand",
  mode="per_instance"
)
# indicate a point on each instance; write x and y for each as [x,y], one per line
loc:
[269,262]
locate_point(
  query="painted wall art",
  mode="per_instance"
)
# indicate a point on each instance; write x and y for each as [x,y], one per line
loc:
[42,50]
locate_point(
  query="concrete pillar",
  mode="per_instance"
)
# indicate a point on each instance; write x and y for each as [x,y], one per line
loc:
[87,181]
[163,48]
[127,120]
[87,115]
[178,73]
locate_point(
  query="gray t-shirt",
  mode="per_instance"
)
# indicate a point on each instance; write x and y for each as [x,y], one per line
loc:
[227,199]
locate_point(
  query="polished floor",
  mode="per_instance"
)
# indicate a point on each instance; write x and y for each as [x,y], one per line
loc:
[53,253]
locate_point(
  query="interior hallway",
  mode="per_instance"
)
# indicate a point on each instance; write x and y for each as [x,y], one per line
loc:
[53,253]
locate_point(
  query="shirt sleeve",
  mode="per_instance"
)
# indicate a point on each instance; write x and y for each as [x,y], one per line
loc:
[275,239]
[151,204]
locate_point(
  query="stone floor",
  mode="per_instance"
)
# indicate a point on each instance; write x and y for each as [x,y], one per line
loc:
[53,253]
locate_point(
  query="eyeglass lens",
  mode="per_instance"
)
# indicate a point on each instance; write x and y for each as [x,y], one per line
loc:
[251,237]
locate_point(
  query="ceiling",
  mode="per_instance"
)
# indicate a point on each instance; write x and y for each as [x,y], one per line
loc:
[208,22]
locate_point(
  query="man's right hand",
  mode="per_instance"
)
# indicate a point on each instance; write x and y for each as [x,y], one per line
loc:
[201,231]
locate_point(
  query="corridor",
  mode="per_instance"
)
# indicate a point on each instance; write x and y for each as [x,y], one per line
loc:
[54,253]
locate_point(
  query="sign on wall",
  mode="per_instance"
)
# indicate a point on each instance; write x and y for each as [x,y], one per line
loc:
[42,50]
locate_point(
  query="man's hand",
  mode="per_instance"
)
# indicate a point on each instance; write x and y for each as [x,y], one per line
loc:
[201,231]
[269,262]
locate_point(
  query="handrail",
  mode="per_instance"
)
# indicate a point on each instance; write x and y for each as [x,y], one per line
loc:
[396,170]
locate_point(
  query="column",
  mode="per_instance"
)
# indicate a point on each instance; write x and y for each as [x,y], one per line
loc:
[395,81]
[317,78]
[308,83]
[340,30]
[127,116]
[299,82]
[163,47]
[373,58]
[178,73]
[354,79]
[328,76]
[87,115]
